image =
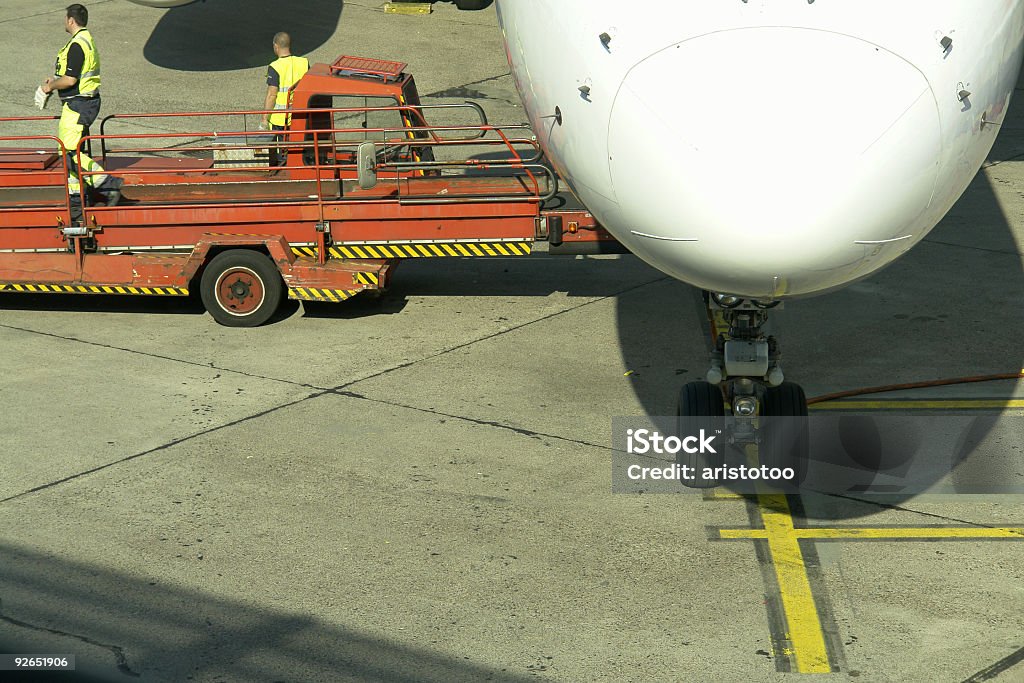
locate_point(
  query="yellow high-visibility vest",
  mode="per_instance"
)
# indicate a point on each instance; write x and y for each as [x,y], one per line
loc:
[89,80]
[289,70]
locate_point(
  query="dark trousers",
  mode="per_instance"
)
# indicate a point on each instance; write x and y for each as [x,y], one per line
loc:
[278,157]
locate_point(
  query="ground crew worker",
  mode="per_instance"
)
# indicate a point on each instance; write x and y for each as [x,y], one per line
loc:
[282,75]
[77,81]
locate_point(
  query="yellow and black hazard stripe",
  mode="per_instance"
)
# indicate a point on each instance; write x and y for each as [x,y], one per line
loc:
[92,289]
[420,250]
[431,249]
[371,279]
[311,294]
[304,251]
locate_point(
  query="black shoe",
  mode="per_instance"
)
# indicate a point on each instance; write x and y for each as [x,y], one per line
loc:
[110,190]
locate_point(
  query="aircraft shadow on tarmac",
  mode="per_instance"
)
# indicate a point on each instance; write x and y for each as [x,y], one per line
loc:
[136,627]
[928,316]
[237,35]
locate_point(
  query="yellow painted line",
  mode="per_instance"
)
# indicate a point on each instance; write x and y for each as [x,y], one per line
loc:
[918,405]
[805,631]
[826,533]
[718,494]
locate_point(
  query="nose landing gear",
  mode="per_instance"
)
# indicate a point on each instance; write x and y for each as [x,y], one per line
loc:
[763,409]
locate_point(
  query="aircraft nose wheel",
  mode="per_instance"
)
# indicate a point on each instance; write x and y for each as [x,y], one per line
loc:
[785,442]
[698,400]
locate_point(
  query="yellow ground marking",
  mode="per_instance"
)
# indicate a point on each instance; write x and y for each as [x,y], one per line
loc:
[804,627]
[805,633]
[718,493]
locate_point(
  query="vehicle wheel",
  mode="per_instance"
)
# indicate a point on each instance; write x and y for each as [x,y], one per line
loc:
[699,400]
[785,442]
[473,4]
[241,288]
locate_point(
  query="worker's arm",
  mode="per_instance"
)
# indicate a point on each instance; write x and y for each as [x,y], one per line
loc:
[72,71]
[269,102]
[51,84]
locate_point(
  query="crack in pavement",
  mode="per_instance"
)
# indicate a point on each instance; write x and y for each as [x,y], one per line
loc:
[119,656]
[162,447]
[1002,666]
[900,508]
[340,390]
[970,246]
[473,420]
[993,164]
[208,366]
[402,366]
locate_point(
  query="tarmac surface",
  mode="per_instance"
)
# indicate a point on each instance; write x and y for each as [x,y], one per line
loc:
[417,488]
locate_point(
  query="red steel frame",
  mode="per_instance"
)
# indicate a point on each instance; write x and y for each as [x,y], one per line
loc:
[179,212]
[188,212]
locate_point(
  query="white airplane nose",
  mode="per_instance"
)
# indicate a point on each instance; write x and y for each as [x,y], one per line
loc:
[772,162]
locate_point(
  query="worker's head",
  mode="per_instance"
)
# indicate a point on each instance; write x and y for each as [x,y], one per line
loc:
[77,17]
[282,44]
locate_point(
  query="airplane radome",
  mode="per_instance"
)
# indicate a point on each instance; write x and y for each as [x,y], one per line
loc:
[766,148]
[762,150]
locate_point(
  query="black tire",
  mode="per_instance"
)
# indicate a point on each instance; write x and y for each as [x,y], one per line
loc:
[785,442]
[698,400]
[473,4]
[241,288]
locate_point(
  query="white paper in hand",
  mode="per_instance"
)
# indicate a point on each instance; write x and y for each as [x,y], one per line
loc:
[42,98]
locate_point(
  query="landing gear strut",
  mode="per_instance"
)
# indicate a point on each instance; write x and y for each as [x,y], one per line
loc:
[747,374]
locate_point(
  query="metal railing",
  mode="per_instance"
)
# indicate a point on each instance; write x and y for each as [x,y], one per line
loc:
[327,148]
[408,156]
[44,174]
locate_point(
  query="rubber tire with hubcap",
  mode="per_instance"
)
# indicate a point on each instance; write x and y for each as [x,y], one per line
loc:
[698,400]
[786,442]
[241,288]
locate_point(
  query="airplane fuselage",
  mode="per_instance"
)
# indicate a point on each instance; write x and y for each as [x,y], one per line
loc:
[766,148]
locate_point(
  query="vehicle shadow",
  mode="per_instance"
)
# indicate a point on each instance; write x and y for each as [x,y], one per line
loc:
[120,627]
[236,37]
[101,303]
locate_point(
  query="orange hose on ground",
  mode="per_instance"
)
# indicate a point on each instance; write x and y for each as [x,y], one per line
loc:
[914,385]
[890,387]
